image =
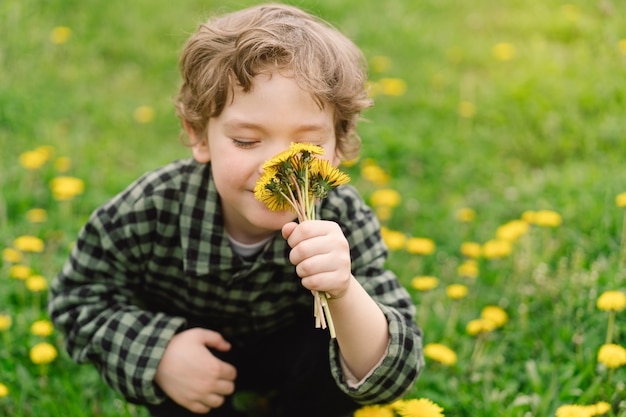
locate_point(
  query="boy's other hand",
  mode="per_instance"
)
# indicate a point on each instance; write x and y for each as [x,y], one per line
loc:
[191,375]
[321,254]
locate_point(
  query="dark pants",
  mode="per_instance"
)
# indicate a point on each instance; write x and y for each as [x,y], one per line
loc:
[284,374]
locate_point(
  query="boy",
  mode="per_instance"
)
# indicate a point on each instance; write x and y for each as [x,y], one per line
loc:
[184,290]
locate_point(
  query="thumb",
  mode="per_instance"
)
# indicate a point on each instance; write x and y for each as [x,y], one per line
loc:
[214,340]
[288,229]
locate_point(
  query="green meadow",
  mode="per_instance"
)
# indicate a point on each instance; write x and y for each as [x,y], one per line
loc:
[494,156]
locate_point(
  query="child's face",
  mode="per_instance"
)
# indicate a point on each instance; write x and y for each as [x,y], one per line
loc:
[253,128]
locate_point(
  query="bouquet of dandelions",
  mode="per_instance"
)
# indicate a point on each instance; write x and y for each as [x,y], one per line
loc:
[294,180]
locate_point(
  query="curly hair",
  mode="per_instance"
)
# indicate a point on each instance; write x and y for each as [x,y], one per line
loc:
[230,50]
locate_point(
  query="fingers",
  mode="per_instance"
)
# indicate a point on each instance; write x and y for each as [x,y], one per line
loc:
[213,340]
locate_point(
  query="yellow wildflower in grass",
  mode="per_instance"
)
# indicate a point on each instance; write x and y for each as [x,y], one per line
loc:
[394,239]
[612,355]
[496,314]
[4,390]
[37,215]
[467,110]
[297,179]
[465,214]
[620,200]
[622,46]
[143,114]
[66,188]
[393,86]
[571,410]
[468,268]
[42,328]
[547,218]
[374,173]
[5,321]
[471,249]
[512,230]
[611,301]
[20,271]
[424,283]
[36,283]
[42,353]
[62,164]
[478,326]
[380,63]
[497,248]
[386,197]
[456,291]
[374,411]
[440,353]
[420,407]
[33,160]
[11,255]
[599,408]
[28,243]
[60,35]
[503,51]
[420,246]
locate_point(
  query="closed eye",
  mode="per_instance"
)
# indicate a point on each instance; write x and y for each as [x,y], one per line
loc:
[244,143]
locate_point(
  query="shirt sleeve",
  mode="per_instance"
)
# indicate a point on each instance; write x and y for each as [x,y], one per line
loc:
[92,299]
[398,370]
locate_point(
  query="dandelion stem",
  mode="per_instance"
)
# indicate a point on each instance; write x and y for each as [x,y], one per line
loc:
[609,330]
[623,243]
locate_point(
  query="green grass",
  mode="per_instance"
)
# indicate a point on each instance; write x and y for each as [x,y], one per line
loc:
[547,133]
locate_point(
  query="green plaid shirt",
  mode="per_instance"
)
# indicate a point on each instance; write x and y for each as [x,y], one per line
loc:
[156,258]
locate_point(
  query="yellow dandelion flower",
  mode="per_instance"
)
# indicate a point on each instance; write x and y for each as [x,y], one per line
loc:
[612,355]
[467,109]
[571,410]
[42,353]
[622,46]
[374,411]
[512,230]
[60,35]
[612,301]
[4,390]
[477,326]
[37,215]
[468,269]
[424,283]
[529,216]
[421,407]
[5,321]
[36,283]
[547,218]
[62,164]
[599,408]
[385,197]
[11,255]
[380,63]
[29,244]
[465,214]
[143,114]
[374,173]
[456,291]
[420,246]
[497,248]
[393,86]
[620,200]
[496,314]
[42,328]
[66,188]
[471,249]
[394,240]
[503,51]
[20,271]
[440,353]
[33,160]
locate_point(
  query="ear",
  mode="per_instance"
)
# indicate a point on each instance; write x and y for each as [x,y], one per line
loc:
[199,145]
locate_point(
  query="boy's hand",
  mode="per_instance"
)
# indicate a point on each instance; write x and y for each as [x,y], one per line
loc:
[321,254]
[191,375]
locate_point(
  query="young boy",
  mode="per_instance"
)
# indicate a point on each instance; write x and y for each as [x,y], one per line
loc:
[186,292]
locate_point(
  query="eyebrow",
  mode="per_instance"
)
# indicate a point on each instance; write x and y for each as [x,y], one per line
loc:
[242,124]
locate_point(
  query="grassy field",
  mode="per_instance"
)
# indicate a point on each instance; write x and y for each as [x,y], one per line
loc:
[511,114]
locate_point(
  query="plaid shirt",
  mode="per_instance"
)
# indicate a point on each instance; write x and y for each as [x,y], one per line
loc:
[156,258]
